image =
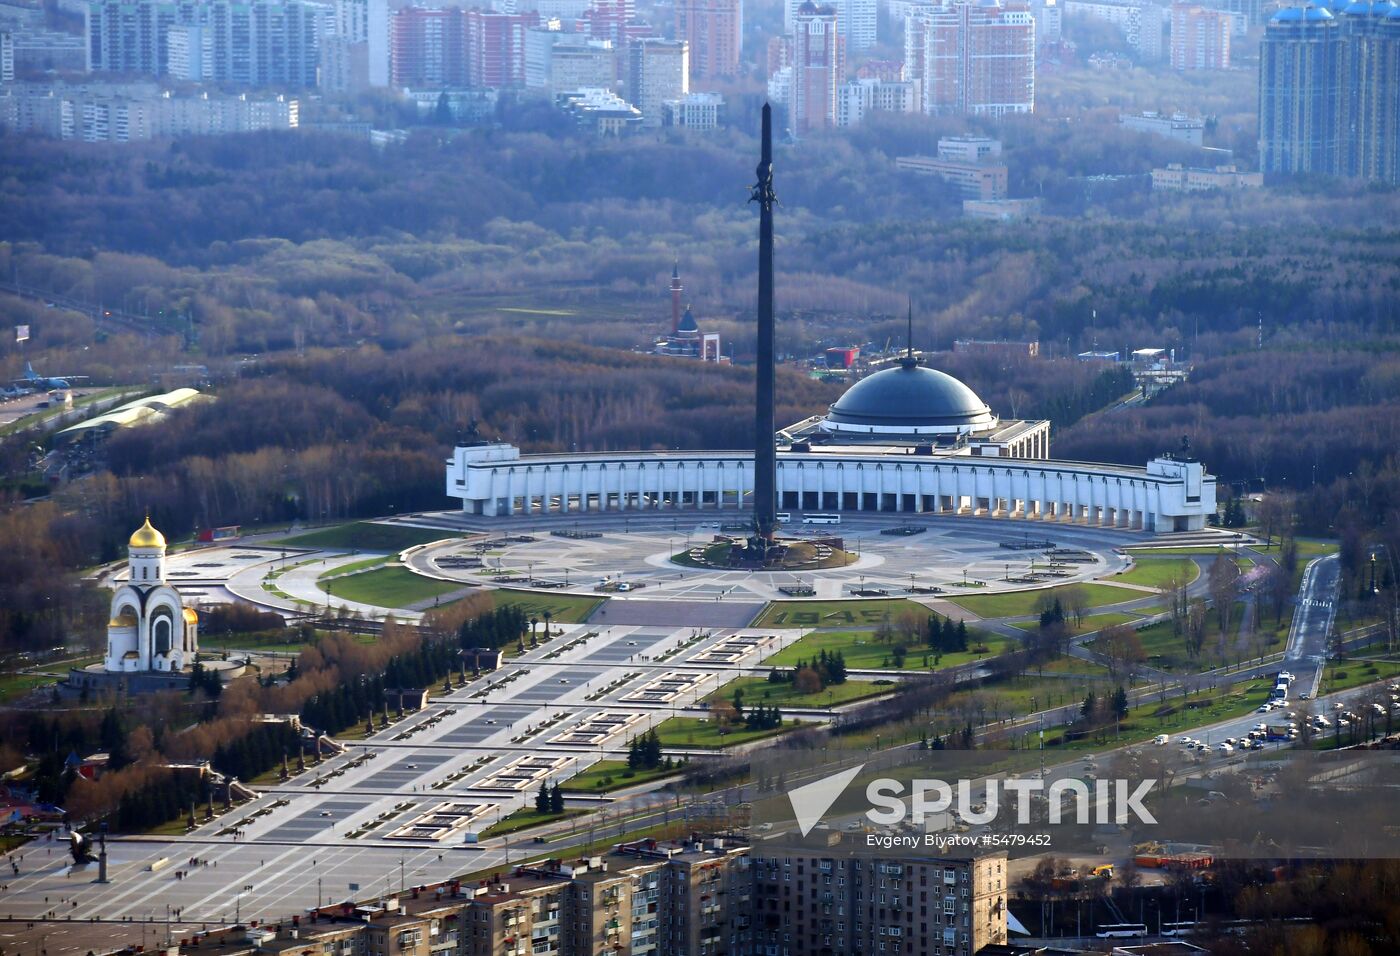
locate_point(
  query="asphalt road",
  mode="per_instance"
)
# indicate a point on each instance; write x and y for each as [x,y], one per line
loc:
[1312,624]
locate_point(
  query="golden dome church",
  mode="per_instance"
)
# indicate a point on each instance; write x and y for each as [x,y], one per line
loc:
[151,628]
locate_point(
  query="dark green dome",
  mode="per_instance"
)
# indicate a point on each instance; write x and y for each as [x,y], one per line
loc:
[688,323]
[909,398]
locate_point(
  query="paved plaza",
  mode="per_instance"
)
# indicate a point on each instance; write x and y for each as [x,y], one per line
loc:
[398,807]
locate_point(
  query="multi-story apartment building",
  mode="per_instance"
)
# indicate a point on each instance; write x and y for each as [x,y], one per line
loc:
[1299,93]
[1369,71]
[714,30]
[496,48]
[344,64]
[859,98]
[1049,21]
[578,64]
[650,899]
[34,51]
[657,71]
[1200,37]
[448,47]
[7,56]
[1329,85]
[818,69]
[972,58]
[855,18]
[1140,21]
[615,21]
[821,906]
[126,112]
[697,111]
[261,43]
[428,47]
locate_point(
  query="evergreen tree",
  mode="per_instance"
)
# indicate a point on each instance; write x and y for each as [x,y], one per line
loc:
[1120,703]
[542,799]
[556,800]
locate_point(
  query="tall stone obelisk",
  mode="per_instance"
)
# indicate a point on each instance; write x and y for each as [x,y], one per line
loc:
[765,454]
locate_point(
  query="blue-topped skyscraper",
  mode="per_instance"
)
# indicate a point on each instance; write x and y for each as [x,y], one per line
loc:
[1329,91]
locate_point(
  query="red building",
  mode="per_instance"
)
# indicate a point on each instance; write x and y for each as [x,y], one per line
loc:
[1200,38]
[713,29]
[496,48]
[818,68]
[973,58]
[428,48]
[613,20]
[452,48]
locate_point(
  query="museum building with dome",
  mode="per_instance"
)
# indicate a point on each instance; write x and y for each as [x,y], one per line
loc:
[906,439]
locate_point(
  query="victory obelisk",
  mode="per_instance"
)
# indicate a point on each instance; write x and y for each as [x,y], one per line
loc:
[765,455]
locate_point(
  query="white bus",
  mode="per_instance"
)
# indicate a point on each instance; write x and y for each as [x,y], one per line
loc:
[1185,928]
[1121,930]
[783,516]
[820,518]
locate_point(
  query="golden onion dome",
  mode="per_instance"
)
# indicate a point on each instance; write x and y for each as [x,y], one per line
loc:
[190,616]
[123,620]
[147,537]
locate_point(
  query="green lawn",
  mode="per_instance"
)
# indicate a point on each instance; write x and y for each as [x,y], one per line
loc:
[283,641]
[860,650]
[352,567]
[1022,603]
[1200,551]
[1158,572]
[1091,622]
[1308,548]
[757,690]
[365,536]
[1169,653]
[700,732]
[1023,695]
[386,587]
[608,775]
[527,817]
[851,613]
[566,608]
[17,685]
[1343,675]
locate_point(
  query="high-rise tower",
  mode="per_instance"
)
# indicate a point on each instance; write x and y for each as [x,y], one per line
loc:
[1299,95]
[714,30]
[818,68]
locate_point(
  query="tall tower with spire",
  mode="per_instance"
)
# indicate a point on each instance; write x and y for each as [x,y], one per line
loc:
[676,289]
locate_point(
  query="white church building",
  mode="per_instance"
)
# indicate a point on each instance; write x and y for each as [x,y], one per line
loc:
[151,628]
